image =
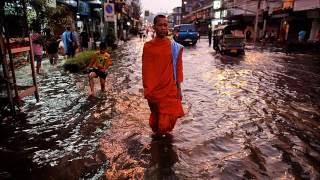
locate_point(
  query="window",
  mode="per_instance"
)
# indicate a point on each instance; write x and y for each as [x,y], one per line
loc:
[187,28]
[217,15]
[224,13]
[216,4]
[188,9]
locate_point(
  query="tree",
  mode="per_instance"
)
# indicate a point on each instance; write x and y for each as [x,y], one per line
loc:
[18,9]
[58,18]
[136,9]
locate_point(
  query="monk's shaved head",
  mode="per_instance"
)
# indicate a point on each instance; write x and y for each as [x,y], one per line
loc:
[160,26]
[156,19]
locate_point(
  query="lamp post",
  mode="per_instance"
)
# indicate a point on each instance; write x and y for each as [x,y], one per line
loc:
[77,14]
[265,16]
[184,10]
[256,22]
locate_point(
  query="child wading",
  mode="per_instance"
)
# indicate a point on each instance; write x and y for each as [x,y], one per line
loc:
[98,67]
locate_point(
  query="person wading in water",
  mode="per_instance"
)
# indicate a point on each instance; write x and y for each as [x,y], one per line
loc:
[162,75]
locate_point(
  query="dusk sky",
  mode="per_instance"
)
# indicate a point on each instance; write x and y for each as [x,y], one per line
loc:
[157,6]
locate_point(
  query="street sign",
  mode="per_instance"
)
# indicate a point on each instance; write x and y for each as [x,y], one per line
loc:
[109,12]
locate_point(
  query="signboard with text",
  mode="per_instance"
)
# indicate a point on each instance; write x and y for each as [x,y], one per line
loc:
[109,15]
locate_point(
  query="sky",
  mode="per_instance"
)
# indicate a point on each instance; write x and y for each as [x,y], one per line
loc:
[157,6]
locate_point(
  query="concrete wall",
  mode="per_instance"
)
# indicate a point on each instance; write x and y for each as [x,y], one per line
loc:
[301,5]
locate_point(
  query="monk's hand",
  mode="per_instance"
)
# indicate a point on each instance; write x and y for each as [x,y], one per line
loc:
[179,92]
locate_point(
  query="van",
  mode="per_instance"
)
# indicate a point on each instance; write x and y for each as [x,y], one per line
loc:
[186,34]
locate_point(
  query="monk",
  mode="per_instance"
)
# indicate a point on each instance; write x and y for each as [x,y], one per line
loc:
[162,79]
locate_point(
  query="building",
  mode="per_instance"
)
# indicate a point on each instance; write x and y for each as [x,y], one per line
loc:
[170,18]
[307,17]
[243,13]
[283,17]
[85,15]
[175,17]
[177,11]
[198,12]
[88,15]
[186,8]
[219,12]
[293,16]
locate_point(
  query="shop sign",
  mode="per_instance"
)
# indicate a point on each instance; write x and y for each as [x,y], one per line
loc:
[84,8]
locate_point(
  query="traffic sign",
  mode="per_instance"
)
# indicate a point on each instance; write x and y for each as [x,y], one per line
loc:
[109,12]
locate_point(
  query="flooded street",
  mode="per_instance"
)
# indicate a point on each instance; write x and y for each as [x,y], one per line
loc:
[250,117]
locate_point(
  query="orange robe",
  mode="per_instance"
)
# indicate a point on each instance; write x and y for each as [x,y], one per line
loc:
[160,88]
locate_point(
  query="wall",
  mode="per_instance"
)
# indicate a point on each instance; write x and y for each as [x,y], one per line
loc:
[301,5]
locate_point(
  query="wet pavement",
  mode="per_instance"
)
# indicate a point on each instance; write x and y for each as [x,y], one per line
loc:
[250,117]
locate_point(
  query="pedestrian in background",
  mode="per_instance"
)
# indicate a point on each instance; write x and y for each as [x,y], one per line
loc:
[248,35]
[301,35]
[210,35]
[140,33]
[96,38]
[37,47]
[84,41]
[98,67]
[318,37]
[317,41]
[67,42]
[162,75]
[74,41]
[52,49]
[272,36]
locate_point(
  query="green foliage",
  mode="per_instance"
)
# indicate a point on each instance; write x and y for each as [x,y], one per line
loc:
[59,18]
[79,62]
[30,10]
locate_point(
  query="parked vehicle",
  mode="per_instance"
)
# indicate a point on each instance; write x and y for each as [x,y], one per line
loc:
[228,39]
[186,34]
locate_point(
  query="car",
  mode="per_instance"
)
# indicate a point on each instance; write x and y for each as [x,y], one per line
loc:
[186,34]
[228,39]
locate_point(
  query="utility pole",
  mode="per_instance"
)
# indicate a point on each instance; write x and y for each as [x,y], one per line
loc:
[103,24]
[246,3]
[77,15]
[256,22]
[265,16]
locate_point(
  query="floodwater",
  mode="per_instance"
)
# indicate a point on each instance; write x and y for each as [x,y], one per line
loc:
[250,117]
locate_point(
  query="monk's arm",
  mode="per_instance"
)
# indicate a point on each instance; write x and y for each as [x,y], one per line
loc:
[180,67]
[179,73]
[148,76]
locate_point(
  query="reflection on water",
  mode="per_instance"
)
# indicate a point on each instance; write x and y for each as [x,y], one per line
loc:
[242,113]
[163,157]
[254,117]
[57,138]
